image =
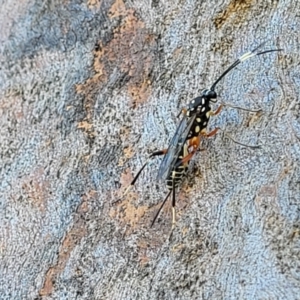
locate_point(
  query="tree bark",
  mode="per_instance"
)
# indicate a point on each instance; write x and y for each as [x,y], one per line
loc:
[87,91]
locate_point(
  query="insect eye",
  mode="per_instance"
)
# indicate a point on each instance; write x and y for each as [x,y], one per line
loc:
[213,94]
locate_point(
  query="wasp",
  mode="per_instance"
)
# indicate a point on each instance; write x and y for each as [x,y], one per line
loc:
[186,139]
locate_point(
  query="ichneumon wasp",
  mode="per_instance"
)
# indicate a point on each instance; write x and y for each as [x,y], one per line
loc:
[186,139]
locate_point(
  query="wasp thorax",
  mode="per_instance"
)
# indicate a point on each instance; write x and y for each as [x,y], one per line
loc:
[196,103]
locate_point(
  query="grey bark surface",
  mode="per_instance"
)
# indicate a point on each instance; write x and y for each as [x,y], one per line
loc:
[87,91]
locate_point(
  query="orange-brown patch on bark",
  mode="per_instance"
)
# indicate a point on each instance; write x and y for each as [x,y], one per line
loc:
[129,54]
[117,9]
[125,211]
[184,231]
[84,206]
[89,89]
[72,238]
[132,49]
[11,106]
[87,127]
[36,187]
[139,92]
[143,246]
[126,179]
[128,153]
[235,13]
[178,248]
[94,4]
[177,52]
[49,281]
[70,241]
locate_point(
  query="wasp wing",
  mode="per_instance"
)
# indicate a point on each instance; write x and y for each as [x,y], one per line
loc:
[175,147]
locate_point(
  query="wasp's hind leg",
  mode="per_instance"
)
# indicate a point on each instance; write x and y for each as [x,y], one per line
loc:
[192,146]
[157,214]
[173,204]
[156,153]
[173,191]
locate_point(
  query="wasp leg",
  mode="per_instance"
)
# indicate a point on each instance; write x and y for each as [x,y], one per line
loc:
[183,111]
[217,111]
[236,107]
[193,145]
[157,214]
[173,204]
[242,144]
[242,108]
[213,132]
[156,153]
[210,134]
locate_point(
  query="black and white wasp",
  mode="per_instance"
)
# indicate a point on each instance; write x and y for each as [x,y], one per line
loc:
[186,139]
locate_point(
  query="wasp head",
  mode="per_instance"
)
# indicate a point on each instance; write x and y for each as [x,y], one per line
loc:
[210,95]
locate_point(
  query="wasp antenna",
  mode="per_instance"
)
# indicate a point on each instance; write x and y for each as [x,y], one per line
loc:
[242,58]
[267,51]
[260,45]
[242,144]
[158,212]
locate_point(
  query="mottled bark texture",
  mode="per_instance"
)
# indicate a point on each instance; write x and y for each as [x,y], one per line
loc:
[87,91]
